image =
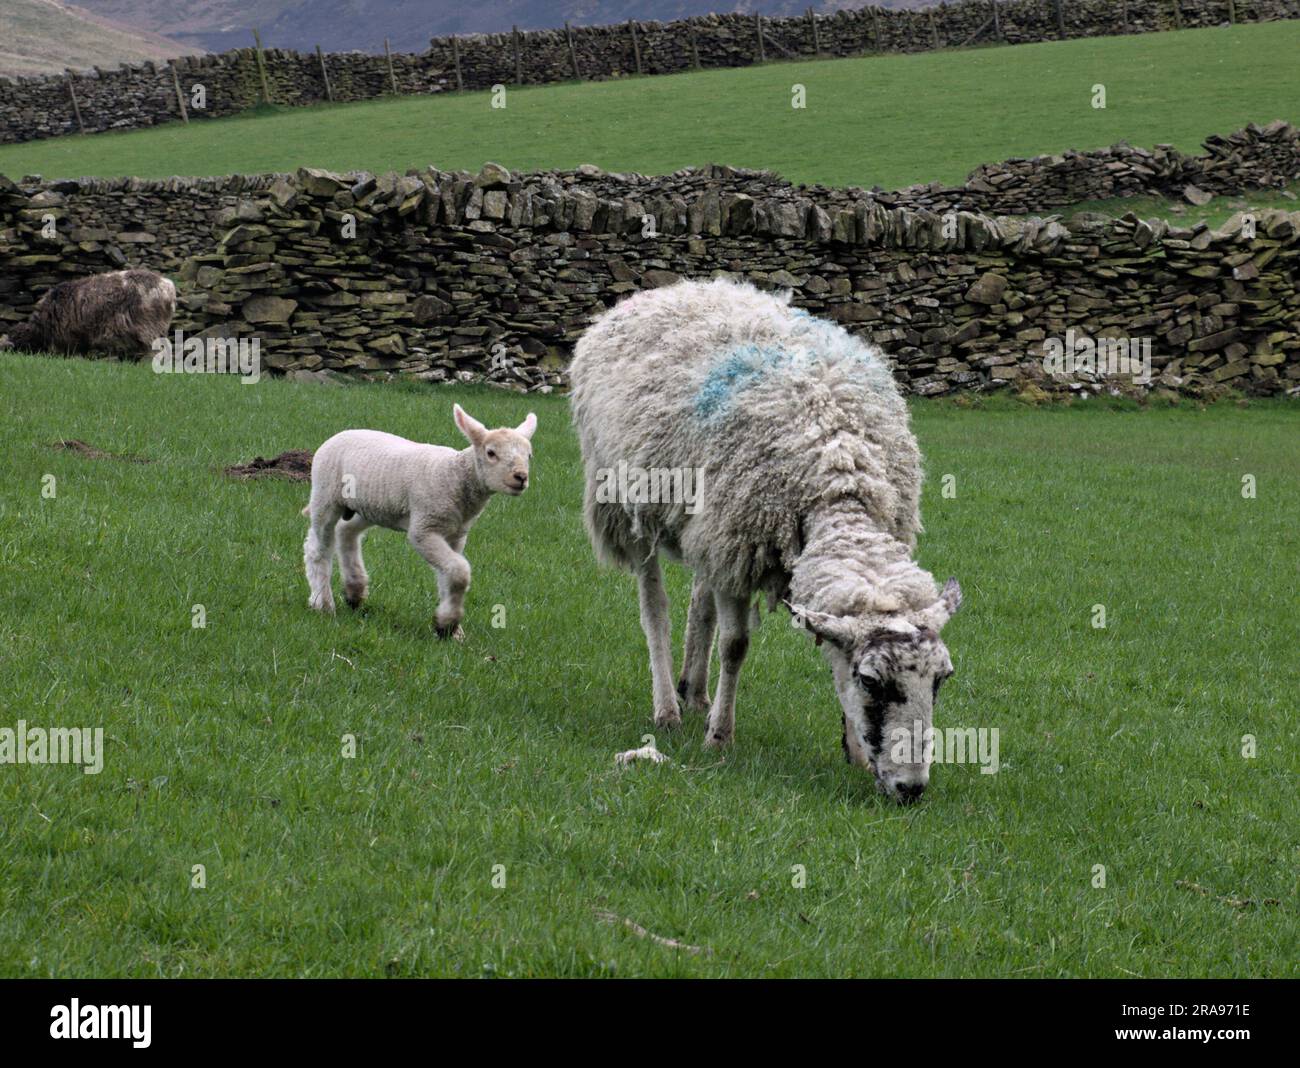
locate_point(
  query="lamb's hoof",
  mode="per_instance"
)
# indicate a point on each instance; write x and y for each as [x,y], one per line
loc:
[451,630]
[691,699]
[355,598]
[716,739]
[322,604]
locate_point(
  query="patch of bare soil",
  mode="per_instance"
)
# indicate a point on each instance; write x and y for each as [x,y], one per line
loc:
[92,453]
[294,465]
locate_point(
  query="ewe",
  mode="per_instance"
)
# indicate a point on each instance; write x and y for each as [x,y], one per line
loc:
[810,486]
[121,312]
[366,478]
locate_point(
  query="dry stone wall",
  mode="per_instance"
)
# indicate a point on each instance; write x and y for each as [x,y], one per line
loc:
[446,275]
[53,231]
[146,94]
[159,223]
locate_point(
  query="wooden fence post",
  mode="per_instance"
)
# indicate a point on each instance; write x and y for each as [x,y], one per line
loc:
[1178,15]
[180,97]
[1060,19]
[261,68]
[875,29]
[758,32]
[695,44]
[325,75]
[817,42]
[934,29]
[1124,15]
[519,56]
[573,52]
[392,76]
[455,56]
[1232,12]
[636,45]
[76,108]
[997,19]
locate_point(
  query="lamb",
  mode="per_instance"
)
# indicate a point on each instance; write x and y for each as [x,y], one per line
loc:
[120,312]
[811,481]
[365,478]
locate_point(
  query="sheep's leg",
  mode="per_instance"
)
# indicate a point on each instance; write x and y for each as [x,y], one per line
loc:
[453,579]
[657,625]
[356,583]
[701,623]
[733,644]
[318,556]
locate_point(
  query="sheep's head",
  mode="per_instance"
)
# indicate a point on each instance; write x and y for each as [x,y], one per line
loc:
[888,670]
[501,455]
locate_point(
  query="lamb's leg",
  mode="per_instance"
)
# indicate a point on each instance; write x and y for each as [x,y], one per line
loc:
[318,555]
[356,583]
[453,579]
[733,644]
[657,625]
[701,622]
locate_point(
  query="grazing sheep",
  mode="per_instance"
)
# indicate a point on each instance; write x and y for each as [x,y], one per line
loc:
[121,312]
[808,483]
[366,478]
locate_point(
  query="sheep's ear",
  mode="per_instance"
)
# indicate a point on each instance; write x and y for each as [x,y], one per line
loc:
[823,626]
[468,425]
[942,610]
[527,427]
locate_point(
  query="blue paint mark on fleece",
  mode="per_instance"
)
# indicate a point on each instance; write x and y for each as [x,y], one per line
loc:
[741,367]
[813,340]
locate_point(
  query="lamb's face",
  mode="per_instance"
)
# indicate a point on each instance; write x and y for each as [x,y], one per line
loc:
[501,456]
[888,688]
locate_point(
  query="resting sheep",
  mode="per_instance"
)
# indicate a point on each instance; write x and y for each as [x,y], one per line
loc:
[811,480]
[365,478]
[120,312]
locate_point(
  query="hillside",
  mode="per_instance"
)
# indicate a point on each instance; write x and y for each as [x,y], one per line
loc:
[888,120]
[341,25]
[44,37]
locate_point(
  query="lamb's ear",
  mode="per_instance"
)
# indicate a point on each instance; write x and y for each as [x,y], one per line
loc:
[527,427]
[942,610]
[823,626]
[468,425]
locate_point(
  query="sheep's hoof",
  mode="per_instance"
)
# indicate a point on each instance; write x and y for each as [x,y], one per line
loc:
[451,630]
[691,699]
[716,739]
[668,718]
[355,598]
[322,604]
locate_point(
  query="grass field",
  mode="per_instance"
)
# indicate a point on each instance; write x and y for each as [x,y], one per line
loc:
[888,120]
[1119,746]
[1215,213]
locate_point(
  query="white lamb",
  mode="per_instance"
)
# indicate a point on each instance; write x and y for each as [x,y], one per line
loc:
[811,479]
[366,478]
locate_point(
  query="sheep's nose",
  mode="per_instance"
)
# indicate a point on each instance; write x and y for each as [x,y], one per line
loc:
[909,791]
[521,480]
